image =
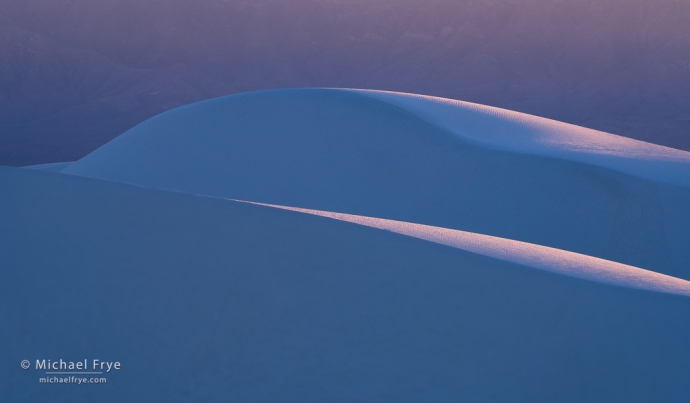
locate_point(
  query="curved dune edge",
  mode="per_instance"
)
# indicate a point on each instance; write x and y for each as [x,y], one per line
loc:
[527,254]
[50,167]
[511,131]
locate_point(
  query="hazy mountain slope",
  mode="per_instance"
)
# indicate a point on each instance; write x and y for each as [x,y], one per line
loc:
[75,74]
[205,299]
[344,152]
[58,102]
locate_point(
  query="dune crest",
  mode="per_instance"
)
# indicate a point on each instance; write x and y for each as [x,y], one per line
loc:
[527,254]
[512,131]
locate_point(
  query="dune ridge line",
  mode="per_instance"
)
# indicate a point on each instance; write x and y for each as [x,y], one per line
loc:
[511,131]
[536,256]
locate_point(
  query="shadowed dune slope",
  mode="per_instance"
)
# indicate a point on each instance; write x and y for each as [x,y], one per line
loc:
[214,300]
[352,152]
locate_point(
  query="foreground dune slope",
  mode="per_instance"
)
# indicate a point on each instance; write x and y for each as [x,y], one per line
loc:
[208,299]
[409,158]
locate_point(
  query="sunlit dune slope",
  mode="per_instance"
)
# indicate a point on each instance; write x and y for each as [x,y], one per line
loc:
[530,255]
[429,161]
[215,300]
[511,131]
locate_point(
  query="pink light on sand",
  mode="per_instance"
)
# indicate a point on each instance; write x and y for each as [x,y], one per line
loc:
[527,254]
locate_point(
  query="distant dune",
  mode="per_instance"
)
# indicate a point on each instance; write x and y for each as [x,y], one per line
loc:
[75,74]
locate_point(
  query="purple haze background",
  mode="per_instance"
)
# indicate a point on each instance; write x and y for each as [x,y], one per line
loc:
[76,73]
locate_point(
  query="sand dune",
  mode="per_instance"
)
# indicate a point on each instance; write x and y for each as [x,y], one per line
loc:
[438,251]
[546,183]
[208,299]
